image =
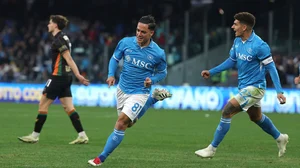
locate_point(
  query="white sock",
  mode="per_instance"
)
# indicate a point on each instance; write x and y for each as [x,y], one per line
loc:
[279,138]
[213,148]
[82,134]
[35,134]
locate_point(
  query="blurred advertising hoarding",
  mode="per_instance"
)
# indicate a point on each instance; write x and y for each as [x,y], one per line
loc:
[184,97]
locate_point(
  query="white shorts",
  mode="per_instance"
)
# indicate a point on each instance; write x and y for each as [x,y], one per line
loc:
[130,104]
[249,96]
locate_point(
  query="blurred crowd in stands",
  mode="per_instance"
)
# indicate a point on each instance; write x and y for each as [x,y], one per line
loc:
[25,49]
[25,45]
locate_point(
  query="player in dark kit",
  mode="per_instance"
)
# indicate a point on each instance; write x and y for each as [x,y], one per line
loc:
[59,84]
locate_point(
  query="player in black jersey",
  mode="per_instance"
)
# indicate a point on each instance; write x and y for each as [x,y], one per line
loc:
[59,84]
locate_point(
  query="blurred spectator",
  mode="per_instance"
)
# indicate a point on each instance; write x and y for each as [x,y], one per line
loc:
[173,57]
[25,42]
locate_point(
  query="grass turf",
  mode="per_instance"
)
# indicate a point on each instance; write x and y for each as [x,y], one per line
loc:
[161,139]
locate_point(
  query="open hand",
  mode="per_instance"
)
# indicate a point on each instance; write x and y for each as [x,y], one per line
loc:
[83,80]
[111,81]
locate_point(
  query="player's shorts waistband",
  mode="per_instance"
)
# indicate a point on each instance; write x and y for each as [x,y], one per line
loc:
[61,77]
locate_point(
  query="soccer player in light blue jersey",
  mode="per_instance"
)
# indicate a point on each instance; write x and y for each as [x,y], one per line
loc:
[144,65]
[252,57]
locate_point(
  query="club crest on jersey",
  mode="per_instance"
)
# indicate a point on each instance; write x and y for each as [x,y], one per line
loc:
[127,58]
[150,57]
[249,50]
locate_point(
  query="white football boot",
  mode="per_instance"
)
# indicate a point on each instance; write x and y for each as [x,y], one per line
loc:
[80,140]
[29,139]
[207,152]
[282,141]
[161,94]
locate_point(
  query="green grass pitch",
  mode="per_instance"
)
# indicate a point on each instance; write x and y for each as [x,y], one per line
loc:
[161,139]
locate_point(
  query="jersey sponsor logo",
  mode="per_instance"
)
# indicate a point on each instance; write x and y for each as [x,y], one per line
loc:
[141,63]
[68,68]
[244,57]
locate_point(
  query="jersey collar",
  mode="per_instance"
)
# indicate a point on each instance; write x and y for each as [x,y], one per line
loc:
[252,36]
[58,34]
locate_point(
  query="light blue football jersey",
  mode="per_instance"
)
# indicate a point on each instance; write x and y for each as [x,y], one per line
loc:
[248,56]
[139,63]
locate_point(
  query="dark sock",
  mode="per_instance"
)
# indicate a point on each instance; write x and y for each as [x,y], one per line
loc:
[40,120]
[76,121]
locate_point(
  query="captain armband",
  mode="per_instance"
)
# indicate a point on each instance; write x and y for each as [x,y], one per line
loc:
[267,60]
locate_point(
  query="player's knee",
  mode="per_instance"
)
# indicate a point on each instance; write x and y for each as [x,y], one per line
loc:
[123,123]
[69,112]
[230,110]
[132,123]
[43,107]
[67,109]
[45,103]
[226,113]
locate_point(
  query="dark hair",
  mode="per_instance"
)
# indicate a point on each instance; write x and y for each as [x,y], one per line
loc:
[245,18]
[60,20]
[149,20]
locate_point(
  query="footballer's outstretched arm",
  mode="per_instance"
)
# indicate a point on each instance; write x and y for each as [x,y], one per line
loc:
[271,68]
[112,67]
[161,72]
[67,56]
[116,57]
[158,76]
[227,64]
